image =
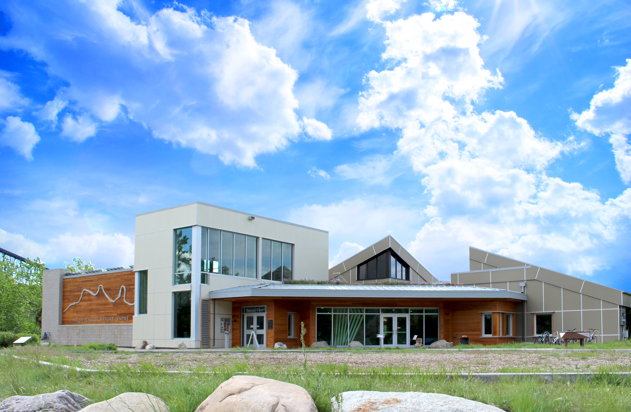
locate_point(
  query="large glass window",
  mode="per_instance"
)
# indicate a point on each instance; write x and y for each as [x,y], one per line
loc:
[181,315]
[183,255]
[142,292]
[339,326]
[277,260]
[250,264]
[228,253]
[383,266]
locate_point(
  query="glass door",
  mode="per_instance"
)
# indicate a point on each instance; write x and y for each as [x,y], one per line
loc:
[395,330]
[254,323]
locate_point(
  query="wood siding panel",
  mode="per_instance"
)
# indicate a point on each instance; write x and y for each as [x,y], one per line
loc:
[91,310]
[456,317]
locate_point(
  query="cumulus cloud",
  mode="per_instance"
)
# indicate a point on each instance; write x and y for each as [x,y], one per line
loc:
[315,172]
[363,221]
[484,174]
[10,96]
[437,66]
[347,249]
[51,110]
[20,136]
[378,9]
[78,129]
[196,81]
[443,5]
[610,113]
[316,129]
[104,250]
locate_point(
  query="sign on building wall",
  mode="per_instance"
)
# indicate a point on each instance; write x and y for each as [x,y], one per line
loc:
[98,299]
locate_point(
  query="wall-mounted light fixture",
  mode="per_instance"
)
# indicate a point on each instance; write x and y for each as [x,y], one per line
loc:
[251,217]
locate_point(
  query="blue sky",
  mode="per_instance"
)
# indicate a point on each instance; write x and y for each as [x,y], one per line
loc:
[502,125]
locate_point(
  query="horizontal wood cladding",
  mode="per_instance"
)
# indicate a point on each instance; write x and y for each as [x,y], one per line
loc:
[457,317]
[90,310]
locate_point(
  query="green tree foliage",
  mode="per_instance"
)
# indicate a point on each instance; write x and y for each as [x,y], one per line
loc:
[21,296]
[80,266]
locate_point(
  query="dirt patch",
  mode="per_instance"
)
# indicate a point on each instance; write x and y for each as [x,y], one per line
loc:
[423,361]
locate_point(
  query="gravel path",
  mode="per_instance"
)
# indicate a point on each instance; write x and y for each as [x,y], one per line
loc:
[430,361]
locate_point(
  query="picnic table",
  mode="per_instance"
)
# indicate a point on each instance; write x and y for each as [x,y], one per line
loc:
[579,336]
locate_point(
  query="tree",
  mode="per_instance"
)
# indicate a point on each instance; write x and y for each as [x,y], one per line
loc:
[80,266]
[21,295]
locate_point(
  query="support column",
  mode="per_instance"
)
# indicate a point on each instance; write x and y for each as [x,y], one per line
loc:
[196,287]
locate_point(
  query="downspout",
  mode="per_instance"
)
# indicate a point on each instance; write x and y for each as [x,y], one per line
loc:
[212,322]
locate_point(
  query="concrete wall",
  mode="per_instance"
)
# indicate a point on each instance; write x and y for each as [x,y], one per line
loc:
[573,302]
[347,270]
[154,253]
[52,287]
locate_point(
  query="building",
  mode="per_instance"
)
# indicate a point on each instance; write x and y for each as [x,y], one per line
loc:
[209,277]
[555,301]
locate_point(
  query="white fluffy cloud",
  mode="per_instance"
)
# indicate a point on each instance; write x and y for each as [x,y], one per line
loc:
[103,250]
[443,5]
[347,249]
[196,81]
[10,97]
[610,113]
[78,129]
[315,129]
[378,9]
[484,173]
[437,65]
[361,221]
[18,135]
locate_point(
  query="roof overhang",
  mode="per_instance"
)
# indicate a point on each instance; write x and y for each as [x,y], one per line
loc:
[365,291]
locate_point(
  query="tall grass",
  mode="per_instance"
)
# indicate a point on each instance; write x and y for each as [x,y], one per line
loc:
[184,392]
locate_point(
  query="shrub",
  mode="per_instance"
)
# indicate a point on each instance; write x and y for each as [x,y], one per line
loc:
[7,339]
[98,346]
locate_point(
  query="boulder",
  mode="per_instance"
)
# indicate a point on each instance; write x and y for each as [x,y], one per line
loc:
[129,401]
[254,394]
[60,401]
[355,344]
[321,344]
[182,345]
[441,344]
[280,345]
[150,346]
[406,401]
[141,345]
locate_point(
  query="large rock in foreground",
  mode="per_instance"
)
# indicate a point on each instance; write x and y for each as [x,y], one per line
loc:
[367,401]
[60,401]
[130,401]
[254,394]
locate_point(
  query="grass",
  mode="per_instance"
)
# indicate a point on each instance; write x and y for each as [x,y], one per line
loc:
[184,392]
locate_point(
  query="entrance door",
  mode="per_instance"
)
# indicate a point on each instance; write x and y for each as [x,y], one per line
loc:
[254,323]
[395,330]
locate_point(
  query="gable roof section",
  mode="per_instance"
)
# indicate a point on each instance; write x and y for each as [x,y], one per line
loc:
[497,268]
[375,249]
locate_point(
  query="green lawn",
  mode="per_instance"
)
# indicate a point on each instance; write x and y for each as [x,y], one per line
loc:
[184,392]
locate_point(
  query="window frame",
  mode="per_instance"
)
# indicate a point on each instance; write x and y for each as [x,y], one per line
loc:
[483,332]
[400,266]
[270,260]
[534,323]
[183,275]
[143,295]
[174,312]
[249,241]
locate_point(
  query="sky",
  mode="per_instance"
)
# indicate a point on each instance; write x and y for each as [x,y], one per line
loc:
[502,125]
